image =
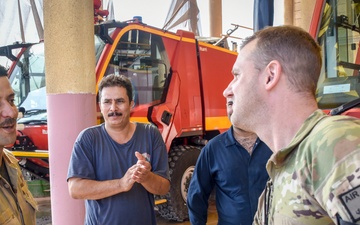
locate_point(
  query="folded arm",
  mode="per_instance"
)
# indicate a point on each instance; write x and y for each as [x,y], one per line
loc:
[80,188]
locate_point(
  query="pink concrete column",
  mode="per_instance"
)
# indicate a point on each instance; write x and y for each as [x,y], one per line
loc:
[71,98]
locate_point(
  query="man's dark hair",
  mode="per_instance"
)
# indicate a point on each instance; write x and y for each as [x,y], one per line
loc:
[3,71]
[113,80]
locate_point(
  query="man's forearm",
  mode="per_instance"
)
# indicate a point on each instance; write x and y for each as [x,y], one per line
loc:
[91,189]
[156,184]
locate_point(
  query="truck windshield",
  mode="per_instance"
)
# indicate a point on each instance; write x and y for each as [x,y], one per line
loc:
[141,57]
[339,38]
[28,79]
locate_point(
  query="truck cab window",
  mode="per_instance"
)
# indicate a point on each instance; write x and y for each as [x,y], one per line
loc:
[339,37]
[141,57]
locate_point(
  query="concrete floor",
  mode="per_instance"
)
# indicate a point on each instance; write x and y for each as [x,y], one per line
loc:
[44,214]
[212,217]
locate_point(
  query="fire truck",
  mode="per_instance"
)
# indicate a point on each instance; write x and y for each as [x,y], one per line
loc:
[178,80]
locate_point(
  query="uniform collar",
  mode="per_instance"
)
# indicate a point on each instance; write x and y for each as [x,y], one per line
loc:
[278,158]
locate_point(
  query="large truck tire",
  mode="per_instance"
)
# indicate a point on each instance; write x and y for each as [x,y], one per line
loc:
[182,160]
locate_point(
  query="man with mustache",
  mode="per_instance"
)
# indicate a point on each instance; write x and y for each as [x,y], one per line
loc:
[17,205]
[118,166]
[232,164]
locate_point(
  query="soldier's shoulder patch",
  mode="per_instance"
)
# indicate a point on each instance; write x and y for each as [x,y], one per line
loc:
[351,201]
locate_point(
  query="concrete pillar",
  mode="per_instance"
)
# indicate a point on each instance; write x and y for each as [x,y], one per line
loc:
[288,12]
[71,98]
[215,14]
[303,13]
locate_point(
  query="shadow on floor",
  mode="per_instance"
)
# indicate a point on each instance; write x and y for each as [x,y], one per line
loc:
[43,216]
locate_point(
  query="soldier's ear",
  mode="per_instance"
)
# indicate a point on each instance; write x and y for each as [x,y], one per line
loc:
[272,74]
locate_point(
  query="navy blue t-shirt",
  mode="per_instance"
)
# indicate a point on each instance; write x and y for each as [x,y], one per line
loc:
[96,156]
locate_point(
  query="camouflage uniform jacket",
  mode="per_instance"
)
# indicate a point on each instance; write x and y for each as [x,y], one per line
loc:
[17,205]
[316,177]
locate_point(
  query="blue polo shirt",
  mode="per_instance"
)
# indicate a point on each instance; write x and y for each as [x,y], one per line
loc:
[238,178]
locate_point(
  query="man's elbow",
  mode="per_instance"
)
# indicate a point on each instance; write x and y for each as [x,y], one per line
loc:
[74,195]
[72,189]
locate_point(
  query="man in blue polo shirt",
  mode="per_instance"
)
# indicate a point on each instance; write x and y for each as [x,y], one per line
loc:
[234,164]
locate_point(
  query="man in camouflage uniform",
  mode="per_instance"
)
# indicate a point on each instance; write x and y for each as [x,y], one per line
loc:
[315,169]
